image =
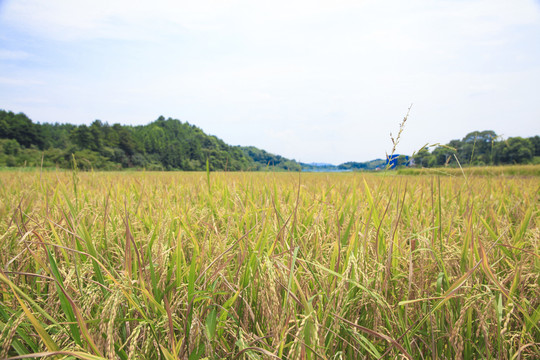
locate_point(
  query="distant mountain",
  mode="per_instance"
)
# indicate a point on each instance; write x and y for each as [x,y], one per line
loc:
[320,164]
[348,166]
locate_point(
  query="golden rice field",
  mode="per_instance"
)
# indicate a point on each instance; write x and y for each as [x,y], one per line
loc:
[138,265]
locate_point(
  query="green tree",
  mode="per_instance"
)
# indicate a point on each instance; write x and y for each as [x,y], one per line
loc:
[422,158]
[10,147]
[515,150]
[535,140]
[476,148]
[20,128]
[82,137]
[442,156]
[96,133]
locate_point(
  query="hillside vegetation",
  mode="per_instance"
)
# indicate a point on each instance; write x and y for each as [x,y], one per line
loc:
[480,148]
[165,144]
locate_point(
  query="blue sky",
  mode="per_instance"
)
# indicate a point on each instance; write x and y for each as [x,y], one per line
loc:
[324,81]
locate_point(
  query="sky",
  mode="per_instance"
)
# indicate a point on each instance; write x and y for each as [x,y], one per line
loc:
[315,81]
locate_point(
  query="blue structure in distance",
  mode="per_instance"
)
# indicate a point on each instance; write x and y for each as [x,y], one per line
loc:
[395,160]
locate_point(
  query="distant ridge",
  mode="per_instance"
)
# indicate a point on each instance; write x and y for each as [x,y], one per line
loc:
[320,164]
[348,166]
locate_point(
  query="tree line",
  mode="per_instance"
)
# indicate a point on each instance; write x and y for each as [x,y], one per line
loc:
[481,148]
[169,144]
[165,144]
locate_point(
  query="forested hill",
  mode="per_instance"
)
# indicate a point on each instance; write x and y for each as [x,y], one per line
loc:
[165,144]
[482,148]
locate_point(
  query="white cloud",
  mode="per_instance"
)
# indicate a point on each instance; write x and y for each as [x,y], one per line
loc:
[13,55]
[15,81]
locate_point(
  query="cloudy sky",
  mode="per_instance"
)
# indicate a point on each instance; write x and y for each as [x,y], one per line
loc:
[324,81]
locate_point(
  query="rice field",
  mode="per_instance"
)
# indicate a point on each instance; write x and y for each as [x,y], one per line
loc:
[141,265]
